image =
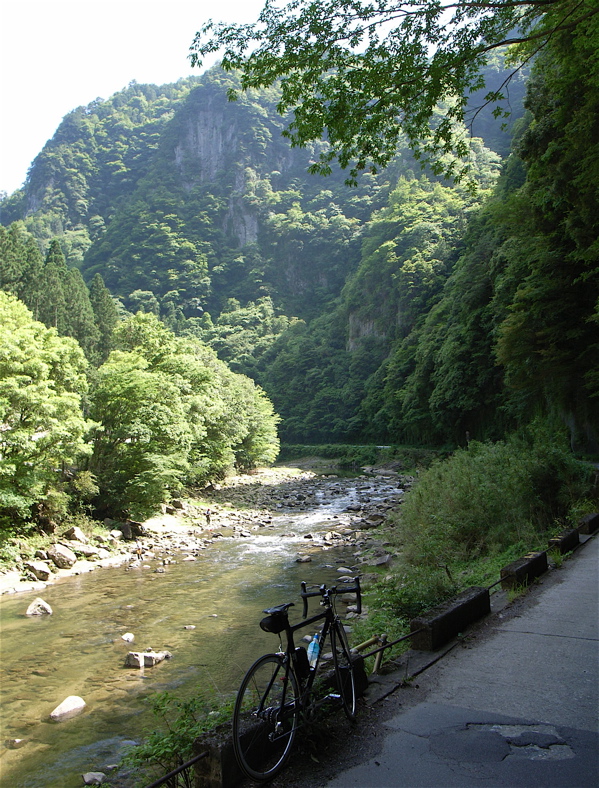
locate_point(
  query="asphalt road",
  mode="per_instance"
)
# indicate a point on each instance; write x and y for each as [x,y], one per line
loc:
[518,709]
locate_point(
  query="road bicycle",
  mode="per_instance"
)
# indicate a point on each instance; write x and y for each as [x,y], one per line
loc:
[278,694]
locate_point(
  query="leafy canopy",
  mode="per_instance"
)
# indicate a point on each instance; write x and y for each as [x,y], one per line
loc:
[364,72]
[42,427]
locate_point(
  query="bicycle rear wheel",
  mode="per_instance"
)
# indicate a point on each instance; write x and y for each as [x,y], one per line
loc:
[344,670]
[265,717]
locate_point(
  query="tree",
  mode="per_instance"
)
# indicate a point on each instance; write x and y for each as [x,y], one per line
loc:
[171,415]
[42,381]
[105,315]
[140,450]
[364,72]
[54,277]
[548,341]
[79,315]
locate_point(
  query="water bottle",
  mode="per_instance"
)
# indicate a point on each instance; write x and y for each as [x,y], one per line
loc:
[314,650]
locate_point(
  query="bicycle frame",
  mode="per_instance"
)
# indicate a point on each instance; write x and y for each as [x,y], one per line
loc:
[330,617]
[274,696]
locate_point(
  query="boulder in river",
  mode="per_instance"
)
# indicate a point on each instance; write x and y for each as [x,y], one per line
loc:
[63,557]
[303,559]
[140,659]
[131,529]
[15,744]
[93,778]
[88,550]
[128,637]
[39,608]
[68,708]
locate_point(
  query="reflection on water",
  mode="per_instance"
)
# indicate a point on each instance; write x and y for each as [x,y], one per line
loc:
[79,651]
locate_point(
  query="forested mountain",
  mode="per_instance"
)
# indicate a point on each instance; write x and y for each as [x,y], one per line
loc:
[406,308]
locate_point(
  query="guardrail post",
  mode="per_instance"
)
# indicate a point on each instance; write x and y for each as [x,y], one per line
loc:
[444,622]
[589,523]
[522,571]
[379,657]
[219,769]
[565,541]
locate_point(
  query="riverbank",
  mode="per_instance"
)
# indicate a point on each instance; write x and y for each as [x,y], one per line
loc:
[237,507]
[269,531]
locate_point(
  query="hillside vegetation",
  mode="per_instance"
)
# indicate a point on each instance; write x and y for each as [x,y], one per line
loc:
[173,246]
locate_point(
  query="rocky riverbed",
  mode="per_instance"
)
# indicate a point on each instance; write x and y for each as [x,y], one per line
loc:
[239,507]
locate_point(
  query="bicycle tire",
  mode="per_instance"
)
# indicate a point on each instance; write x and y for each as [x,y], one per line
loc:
[265,718]
[345,680]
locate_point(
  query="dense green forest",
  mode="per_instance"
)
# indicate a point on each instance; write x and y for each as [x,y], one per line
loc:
[174,277]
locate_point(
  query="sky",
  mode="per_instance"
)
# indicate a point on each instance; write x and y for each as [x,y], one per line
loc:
[56,55]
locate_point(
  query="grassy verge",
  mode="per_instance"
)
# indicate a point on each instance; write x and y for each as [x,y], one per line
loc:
[180,722]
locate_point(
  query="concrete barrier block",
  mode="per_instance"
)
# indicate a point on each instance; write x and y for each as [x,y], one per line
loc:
[566,541]
[444,622]
[219,769]
[524,570]
[589,523]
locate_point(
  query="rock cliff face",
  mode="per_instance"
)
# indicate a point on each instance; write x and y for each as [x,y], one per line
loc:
[360,328]
[208,151]
[208,145]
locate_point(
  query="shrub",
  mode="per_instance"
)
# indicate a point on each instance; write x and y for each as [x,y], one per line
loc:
[483,499]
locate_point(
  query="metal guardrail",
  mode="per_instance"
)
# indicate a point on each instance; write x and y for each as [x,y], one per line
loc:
[172,778]
[378,652]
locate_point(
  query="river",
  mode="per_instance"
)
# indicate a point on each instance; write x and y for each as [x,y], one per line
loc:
[79,649]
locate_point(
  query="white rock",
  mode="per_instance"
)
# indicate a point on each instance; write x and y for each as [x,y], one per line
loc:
[139,659]
[128,637]
[39,608]
[94,778]
[68,708]
[15,744]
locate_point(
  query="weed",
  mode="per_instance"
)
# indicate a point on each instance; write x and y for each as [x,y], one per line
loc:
[517,591]
[555,558]
[180,722]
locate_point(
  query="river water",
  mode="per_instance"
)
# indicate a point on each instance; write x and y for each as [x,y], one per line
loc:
[79,651]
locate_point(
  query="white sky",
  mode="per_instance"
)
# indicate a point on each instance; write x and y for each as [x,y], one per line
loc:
[56,55]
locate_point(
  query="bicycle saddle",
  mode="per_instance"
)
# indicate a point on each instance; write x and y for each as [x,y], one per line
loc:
[276,619]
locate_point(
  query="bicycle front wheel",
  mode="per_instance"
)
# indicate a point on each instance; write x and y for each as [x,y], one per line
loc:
[344,670]
[265,718]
